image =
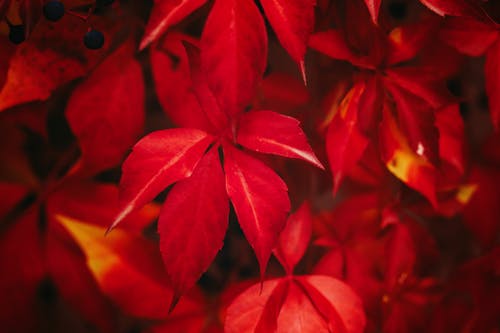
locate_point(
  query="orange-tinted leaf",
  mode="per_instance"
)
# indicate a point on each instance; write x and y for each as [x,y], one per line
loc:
[166,13]
[157,161]
[409,166]
[76,284]
[293,22]
[38,67]
[294,239]
[106,112]
[260,199]
[143,292]
[344,142]
[273,133]
[234,52]
[416,120]
[193,222]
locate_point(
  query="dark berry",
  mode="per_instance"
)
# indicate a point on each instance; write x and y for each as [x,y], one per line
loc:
[398,9]
[103,3]
[17,34]
[93,39]
[53,10]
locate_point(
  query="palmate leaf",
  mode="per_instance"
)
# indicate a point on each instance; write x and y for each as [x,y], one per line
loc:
[310,303]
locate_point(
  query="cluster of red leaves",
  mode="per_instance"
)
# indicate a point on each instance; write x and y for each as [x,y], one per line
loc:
[145,180]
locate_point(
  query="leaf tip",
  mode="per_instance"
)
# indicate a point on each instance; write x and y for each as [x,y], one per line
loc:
[303,71]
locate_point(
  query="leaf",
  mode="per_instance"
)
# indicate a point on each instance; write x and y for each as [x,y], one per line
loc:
[325,293]
[274,133]
[260,199]
[73,280]
[416,119]
[157,161]
[307,304]
[345,144]
[165,14]
[422,82]
[451,136]
[401,256]
[373,8]
[234,52]
[469,36]
[492,73]
[332,43]
[466,8]
[173,85]
[122,254]
[294,239]
[293,22]
[193,222]
[106,112]
[47,60]
[411,168]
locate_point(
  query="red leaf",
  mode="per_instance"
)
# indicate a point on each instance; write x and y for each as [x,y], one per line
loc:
[492,70]
[306,305]
[293,22]
[451,136]
[260,199]
[333,44]
[422,82]
[193,222]
[344,142]
[468,36]
[325,292]
[274,133]
[173,84]
[157,161]
[294,239]
[373,8]
[245,311]
[234,52]
[467,8]
[401,256]
[217,118]
[106,112]
[165,14]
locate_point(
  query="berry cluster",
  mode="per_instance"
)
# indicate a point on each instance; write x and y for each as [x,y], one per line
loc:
[54,10]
